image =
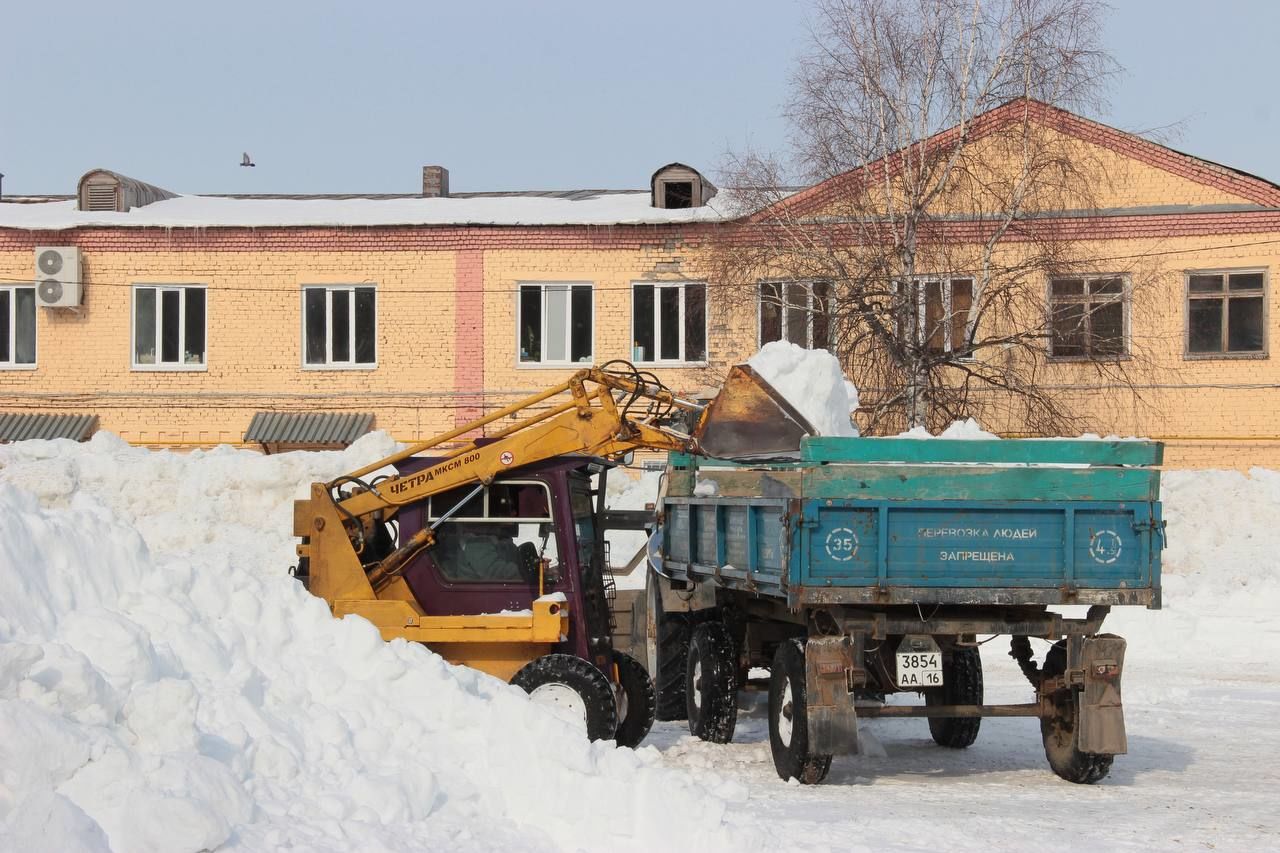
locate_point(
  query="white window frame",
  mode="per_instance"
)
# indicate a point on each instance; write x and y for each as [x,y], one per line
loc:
[809,312]
[922,283]
[1126,307]
[568,326]
[1226,274]
[11,364]
[682,287]
[329,363]
[166,366]
[431,513]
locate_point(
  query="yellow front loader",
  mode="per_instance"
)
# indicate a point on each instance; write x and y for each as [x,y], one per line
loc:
[490,549]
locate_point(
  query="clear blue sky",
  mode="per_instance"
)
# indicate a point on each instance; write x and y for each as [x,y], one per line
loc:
[357,96]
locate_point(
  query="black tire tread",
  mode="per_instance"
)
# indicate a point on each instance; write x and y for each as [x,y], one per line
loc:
[1058,732]
[715,719]
[793,761]
[583,677]
[962,685]
[673,657]
[641,700]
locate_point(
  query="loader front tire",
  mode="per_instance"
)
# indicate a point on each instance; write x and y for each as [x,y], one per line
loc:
[641,703]
[711,683]
[573,688]
[788,723]
[961,685]
[1059,731]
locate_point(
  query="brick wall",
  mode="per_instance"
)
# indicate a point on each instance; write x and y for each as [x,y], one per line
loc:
[447,309]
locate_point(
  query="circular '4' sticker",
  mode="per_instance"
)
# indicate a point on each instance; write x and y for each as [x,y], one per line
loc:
[1104,546]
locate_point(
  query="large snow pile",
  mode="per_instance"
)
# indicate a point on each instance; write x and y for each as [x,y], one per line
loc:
[164,685]
[1221,574]
[812,381]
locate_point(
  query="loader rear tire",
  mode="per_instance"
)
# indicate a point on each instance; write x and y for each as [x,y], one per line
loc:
[711,683]
[788,723]
[1059,731]
[673,658]
[641,703]
[961,685]
[574,687]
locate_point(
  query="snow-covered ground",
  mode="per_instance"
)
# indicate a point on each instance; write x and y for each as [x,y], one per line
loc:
[164,685]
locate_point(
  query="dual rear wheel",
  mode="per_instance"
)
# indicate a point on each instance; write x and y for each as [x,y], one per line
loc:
[711,698]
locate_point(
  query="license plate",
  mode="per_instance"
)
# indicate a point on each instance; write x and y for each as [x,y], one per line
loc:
[919,669]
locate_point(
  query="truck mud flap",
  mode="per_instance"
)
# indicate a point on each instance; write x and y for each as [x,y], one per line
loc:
[1101,719]
[832,723]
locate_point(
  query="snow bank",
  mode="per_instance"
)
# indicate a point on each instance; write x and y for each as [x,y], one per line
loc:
[1221,576]
[165,686]
[813,382]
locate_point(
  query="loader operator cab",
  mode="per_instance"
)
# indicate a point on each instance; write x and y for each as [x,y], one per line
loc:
[534,532]
[499,535]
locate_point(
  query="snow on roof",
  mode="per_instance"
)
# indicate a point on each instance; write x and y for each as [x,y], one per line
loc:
[195,211]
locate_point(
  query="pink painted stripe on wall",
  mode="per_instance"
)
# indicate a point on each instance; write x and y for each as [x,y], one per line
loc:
[468,335]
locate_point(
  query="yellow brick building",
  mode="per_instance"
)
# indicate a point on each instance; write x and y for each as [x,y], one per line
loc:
[197,312]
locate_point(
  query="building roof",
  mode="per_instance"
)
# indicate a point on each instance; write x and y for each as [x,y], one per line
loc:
[1258,191]
[308,428]
[15,426]
[570,207]
[595,207]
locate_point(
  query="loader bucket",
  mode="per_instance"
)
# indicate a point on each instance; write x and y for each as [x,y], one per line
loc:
[749,419]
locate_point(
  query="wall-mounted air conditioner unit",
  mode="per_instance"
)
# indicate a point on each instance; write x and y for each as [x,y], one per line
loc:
[58,276]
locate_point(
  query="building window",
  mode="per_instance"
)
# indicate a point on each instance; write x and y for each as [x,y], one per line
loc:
[168,327]
[1225,313]
[555,323]
[941,309]
[799,312]
[17,326]
[340,326]
[1089,317]
[677,194]
[669,322]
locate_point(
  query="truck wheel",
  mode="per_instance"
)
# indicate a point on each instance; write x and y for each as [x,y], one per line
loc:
[788,725]
[673,658]
[574,687]
[1059,731]
[711,685]
[961,685]
[637,717]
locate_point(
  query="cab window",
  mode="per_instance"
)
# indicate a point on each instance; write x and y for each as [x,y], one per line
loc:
[496,536]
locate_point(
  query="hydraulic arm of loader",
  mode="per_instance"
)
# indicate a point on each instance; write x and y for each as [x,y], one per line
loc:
[344,552]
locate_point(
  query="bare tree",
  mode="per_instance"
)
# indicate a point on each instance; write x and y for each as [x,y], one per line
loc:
[941,197]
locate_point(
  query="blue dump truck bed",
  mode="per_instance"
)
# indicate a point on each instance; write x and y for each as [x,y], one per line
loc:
[903,521]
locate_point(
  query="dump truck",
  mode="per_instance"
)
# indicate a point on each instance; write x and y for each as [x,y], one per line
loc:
[864,573]
[486,543]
